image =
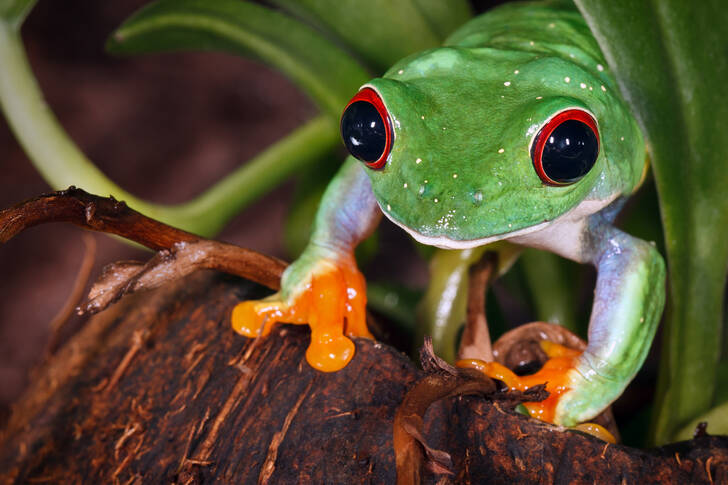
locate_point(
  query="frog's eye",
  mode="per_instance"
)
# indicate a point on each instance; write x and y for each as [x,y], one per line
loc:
[366,128]
[566,148]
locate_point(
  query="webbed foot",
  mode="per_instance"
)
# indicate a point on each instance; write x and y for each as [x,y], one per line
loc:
[327,293]
[554,373]
[558,373]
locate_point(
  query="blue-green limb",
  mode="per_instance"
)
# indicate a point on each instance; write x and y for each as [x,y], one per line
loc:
[629,298]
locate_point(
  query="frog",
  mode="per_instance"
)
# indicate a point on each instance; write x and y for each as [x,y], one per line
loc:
[513,130]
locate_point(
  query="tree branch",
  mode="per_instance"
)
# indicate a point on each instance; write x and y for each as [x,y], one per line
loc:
[183,252]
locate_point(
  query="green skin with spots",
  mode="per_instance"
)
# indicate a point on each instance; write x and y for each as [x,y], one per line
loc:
[460,174]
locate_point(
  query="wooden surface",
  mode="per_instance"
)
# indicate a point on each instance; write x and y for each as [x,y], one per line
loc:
[159,389]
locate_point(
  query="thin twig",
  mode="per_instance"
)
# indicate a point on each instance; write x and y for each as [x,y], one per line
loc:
[106,214]
[475,342]
[183,258]
[182,252]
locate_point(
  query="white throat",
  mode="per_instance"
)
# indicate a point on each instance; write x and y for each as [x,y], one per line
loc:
[561,235]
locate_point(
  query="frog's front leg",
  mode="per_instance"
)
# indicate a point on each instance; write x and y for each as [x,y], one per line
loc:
[323,287]
[628,302]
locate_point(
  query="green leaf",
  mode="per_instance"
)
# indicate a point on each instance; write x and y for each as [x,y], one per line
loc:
[717,419]
[324,71]
[13,12]
[382,32]
[671,62]
[444,16]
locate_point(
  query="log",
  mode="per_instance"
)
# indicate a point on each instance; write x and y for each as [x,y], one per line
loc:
[159,389]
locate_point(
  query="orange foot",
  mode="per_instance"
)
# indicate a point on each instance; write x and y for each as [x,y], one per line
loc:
[327,294]
[555,373]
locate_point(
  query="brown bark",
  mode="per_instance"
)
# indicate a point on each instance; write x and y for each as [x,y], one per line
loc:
[158,388]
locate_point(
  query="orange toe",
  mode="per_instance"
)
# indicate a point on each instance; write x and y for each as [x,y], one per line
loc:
[330,354]
[554,374]
[250,318]
[596,430]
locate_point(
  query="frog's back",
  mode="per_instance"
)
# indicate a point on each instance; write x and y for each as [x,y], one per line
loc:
[551,28]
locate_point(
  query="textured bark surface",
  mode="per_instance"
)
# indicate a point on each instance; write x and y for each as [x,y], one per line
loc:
[159,389]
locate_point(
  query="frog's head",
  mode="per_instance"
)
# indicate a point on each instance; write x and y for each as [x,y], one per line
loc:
[465,146]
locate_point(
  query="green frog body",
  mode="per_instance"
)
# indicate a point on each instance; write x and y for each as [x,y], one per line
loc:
[513,130]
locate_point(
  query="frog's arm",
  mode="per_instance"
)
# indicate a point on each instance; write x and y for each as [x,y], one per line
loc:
[323,287]
[628,301]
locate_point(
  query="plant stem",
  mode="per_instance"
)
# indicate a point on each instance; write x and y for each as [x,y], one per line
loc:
[61,163]
[305,145]
[552,292]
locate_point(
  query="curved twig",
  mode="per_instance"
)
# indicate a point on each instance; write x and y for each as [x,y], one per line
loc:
[106,214]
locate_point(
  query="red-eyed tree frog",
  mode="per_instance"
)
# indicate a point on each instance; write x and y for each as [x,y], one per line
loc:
[513,130]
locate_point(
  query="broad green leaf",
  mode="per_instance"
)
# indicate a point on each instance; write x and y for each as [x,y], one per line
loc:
[13,12]
[444,16]
[671,62]
[382,31]
[716,418]
[324,71]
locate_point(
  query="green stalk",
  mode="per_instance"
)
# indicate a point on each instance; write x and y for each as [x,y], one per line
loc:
[61,163]
[441,313]
[552,293]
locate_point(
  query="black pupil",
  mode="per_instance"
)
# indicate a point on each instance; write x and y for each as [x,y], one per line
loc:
[363,130]
[569,152]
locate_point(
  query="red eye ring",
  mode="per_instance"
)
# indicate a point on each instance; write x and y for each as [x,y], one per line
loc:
[370,96]
[539,142]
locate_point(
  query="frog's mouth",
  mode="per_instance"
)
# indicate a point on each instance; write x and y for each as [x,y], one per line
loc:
[444,242]
[584,209]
